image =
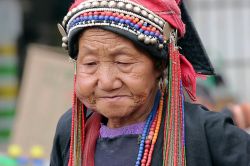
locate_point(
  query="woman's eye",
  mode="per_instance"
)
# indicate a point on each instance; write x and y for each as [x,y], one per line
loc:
[123,63]
[90,63]
[124,66]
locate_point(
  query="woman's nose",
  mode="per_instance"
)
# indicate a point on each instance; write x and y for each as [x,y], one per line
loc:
[108,78]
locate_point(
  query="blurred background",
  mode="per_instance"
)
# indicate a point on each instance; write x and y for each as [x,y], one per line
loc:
[36,75]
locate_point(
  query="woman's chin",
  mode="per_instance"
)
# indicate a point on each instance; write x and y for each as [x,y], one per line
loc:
[111,109]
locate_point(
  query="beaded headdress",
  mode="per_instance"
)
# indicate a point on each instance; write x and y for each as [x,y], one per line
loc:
[147,23]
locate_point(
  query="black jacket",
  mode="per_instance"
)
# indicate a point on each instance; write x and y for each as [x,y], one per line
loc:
[211,140]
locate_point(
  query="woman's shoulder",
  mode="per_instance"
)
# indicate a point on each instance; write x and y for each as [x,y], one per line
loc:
[59,154]
[65,120]
[198,113]
[216,134]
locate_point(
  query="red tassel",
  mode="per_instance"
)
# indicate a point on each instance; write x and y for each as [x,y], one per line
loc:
[77,130]
[188,76]
[71,161]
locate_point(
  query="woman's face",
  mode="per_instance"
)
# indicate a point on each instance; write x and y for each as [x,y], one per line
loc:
[115,78]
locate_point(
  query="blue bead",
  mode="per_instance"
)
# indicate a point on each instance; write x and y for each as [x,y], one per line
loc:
[90,18]
[146,33]
[141,30]
[122,21]
[145,24]
[137,26]
[95,17]
[161,38]
[85,18]
[111,18]
[101,17]
[127,22]
[106,17]
[152,33]
[117,19]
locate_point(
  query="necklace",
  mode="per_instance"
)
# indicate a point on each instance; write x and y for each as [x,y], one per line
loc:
[150,133]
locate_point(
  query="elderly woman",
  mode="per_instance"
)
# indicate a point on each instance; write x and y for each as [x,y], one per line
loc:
[128,105]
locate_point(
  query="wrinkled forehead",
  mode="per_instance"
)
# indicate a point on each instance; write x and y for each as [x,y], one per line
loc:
[96,38]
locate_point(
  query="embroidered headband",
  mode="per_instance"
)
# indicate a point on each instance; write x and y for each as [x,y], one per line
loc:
[122,16]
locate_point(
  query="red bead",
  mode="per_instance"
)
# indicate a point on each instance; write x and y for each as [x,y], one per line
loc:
[143,28]
[133,21]
[151,133]
[109,13]
[147,142]
[143,161]
[96,13]
[148,29]
[150,137]
[115,14]
[147,146]
[139,24]
[120,16]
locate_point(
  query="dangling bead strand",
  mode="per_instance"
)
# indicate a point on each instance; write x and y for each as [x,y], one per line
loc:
[157,129]
[146,130]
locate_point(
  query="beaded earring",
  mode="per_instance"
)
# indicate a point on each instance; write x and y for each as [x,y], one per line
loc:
[174,136]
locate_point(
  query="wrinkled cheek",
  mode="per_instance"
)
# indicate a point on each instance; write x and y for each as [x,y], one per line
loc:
[84,92]
[140,98]
[141,89]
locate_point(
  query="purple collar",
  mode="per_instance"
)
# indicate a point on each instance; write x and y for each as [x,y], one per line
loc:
[133,129]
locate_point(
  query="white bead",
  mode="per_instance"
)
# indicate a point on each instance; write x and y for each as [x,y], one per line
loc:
[161,23]
[156,20]
[112,4]
[161,46]
[95,4]
[121,5]
[147,40]
[64,45]
[80,7]
[144,13]
[137,9]
[141,37]
[63,23]
[151,17]
[65,39]
[104,3]
[153,40]
[74,10]
[129,6]
[87,5]
[65,18]
[69,14]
